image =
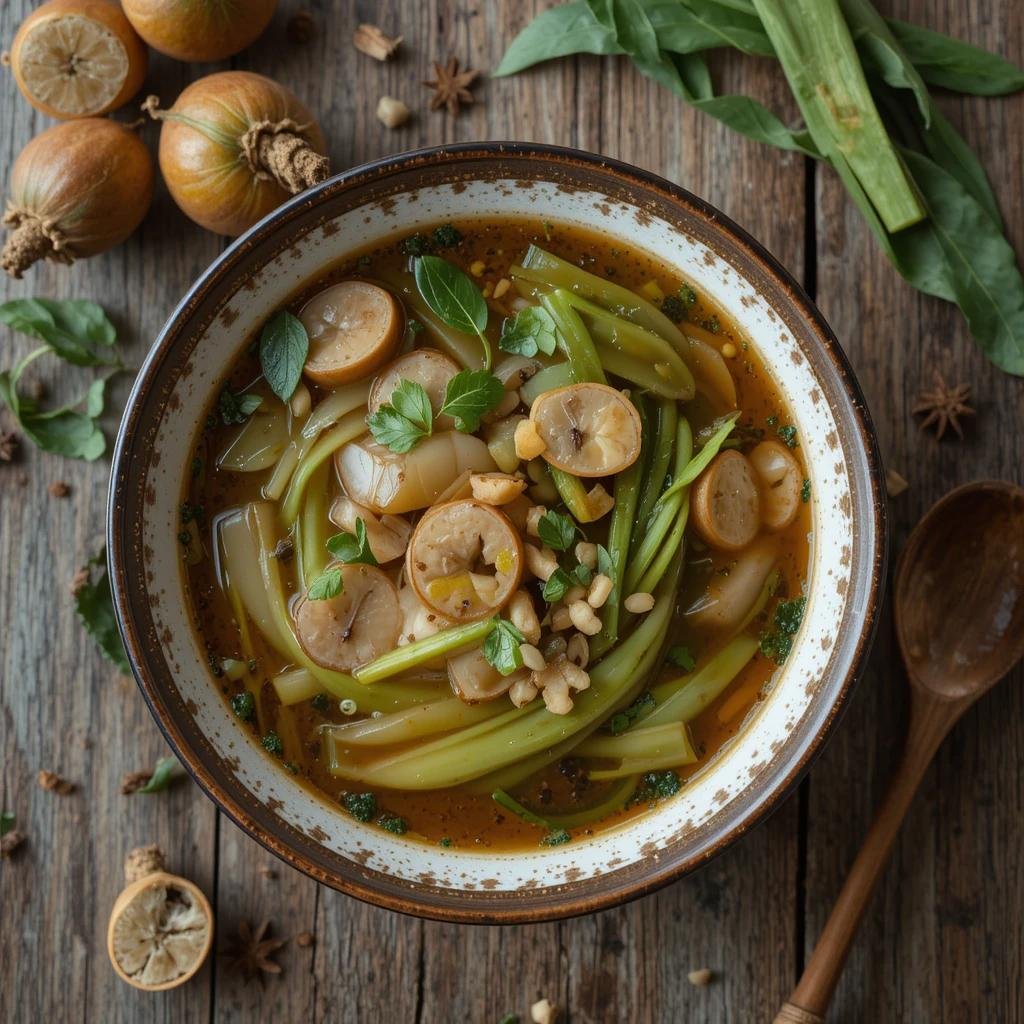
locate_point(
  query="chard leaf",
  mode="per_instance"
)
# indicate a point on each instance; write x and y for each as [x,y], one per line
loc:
[95,608]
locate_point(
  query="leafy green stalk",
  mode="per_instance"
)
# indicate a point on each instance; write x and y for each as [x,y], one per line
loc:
[401,659]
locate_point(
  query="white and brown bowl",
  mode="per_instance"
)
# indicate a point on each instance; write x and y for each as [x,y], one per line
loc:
[399,195]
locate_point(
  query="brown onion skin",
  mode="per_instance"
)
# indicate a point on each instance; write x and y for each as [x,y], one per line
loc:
[227,203]
[199,30]
[92,177]
[107,13]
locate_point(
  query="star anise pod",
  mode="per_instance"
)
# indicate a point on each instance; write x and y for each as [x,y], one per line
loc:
[451,86]
[8,446]
[943,406]
[250,953]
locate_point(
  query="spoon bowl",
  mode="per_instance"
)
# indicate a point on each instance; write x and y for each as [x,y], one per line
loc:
[959,591]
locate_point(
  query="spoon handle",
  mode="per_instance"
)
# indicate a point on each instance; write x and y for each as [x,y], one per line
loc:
[930,720]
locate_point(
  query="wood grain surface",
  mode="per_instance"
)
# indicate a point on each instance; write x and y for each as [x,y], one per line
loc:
[942,943]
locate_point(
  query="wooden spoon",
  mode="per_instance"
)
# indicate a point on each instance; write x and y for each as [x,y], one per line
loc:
[959,612]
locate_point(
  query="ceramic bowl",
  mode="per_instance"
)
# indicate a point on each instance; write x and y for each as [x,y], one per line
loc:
[400,195]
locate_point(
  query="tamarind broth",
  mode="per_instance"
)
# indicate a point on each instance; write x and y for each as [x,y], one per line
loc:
[457,816]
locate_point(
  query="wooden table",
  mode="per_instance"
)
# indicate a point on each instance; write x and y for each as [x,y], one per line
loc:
[943,939]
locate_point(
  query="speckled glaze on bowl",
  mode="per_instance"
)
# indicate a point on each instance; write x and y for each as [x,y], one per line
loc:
[398,195]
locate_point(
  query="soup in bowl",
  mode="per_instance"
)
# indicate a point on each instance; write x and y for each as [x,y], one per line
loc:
[495,532]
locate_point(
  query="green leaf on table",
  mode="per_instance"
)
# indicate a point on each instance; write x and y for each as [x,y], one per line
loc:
[706,24]
[530,331]
[236,408]
[76,329]
[94,605]
[284,346]
[7,821]
[405,420]
[352,548]
[557,531]
[166,771]
[452,296]
[327,585]
[469,396]
[501,648]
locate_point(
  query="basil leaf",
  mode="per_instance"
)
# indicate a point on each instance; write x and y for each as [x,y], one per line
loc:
[236,408]
[76,329]
[327,585]
[470,395]
[404,421]
[453,297]
[351,548]
[557,531]
[94,606]
[501,648]
[530,331]
[284,346]
[166,771]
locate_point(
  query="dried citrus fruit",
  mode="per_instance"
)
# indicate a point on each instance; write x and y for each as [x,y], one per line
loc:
[77,58]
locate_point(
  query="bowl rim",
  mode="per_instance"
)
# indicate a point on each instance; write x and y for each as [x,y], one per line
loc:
[654,875]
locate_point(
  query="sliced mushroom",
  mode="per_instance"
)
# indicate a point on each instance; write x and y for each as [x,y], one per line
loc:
[474,678]
[515,371]
[375,476]
[730,595]
[355,627]
[588,429]
[427,367]
[354,327]
[780,479]
[388,536]
[725,504]
[465,559]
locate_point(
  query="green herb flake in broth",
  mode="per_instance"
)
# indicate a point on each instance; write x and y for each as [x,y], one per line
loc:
[530,331]
[777,643]
[501,648]
[446,236]
[284,346]
[392,823]
[352,548]
[327,585]
[620,722]
[362,806]
[469,396]
[805,491]
[235,408]
[272,743]
[557,837]
[446,842]
[681,657]
[787,435]
[321,702]
[657,786]
[244,705]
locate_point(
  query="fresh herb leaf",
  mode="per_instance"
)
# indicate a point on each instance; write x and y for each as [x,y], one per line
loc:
[244,705]
[530,331]
[272,743]
[453,297]
[95,607]
[166,771]
[236,408]
[321,703]
[77,330]
[557,531]
[284,346]
[415,326]
[672,306]
[556,837]
[658,786]
[805,491]
[415,245]
[787,434]
[501,648]
[779,642]
[509,1018]
[556,586]
[352,548]
[392,823]
[446,237]
[681,657]
[405,420]
[582,575]
[7,821]
[620,722]
[362,806]
[605,564]
[469,396]
[327,585]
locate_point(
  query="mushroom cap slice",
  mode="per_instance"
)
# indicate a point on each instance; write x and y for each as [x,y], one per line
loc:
[589,429]
[725,505]
[388,536]
[465,559]
[386,481]
[475,679]
[780,480]
[355,627]
[353,327]
[425,366]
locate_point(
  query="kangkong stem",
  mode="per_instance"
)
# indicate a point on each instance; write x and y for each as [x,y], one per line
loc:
[280,152]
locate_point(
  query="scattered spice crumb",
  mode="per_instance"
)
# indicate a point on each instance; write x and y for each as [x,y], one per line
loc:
[250,952]
[268,873]
[301,27]
[700,977]
[9,445]
[451,86]
[132,782]
[374,43]
[10,842]
[392,113]
[59,489]
[895,485]
[304,940]
[79,580]
[51,781]
[943,406]
[543,1012]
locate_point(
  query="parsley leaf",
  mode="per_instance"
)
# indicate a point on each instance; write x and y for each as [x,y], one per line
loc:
[244,705]
[392,823]
[805,491]
[166,771]
[284,346]
[620,722]
[530,331]
[272,743]
[405,420]
[95,607]
[557,531]
[501,648]
[779,642]
[236,408]
[681,657]
[560,582]
[350,548]
[327,585]
[470,395]
[362,806]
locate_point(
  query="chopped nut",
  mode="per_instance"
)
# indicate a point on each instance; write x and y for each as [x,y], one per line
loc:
[496,488]
[601,587]
[523,616]
[543,1012]
[59,489]
[560,619]
[599,501]
[556,696]
[700,977]
[729,350]
[558,678]
[578,650]
[895,485]
[540,561]
[583,618]
[586,553]
[532,658]
[392,113]
[522,692]
[10,842]
[501,287]
[143,861]
[304,940]
[53,782]
[529,444]
[533,518]
[639,603]
[477,267]
[370,40]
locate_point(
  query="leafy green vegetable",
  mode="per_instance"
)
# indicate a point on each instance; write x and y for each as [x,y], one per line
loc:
[7,821]
[682,657]
[787,434]
[470,395]
[95,607]
[446,236]
[620,722]
[557,531]
[272,743]
[404,421]
[779,642]
[555,836]
[166,771]
[657,786]
[77,330]
[501,648]
[392,823]
[284,346]
[327,585]
[352,548]
[362,806]
[452,296]
[560,582]
[244,705]
[530,331]
[235,408]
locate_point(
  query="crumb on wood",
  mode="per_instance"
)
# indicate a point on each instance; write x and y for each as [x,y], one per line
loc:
[52,782]
[78,581]
[10,842]
[301,27]
[269,873]
[59,489]
[700,977]
[9,446]
[543,1012]
[132,782]
[895,484]
[304,940]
